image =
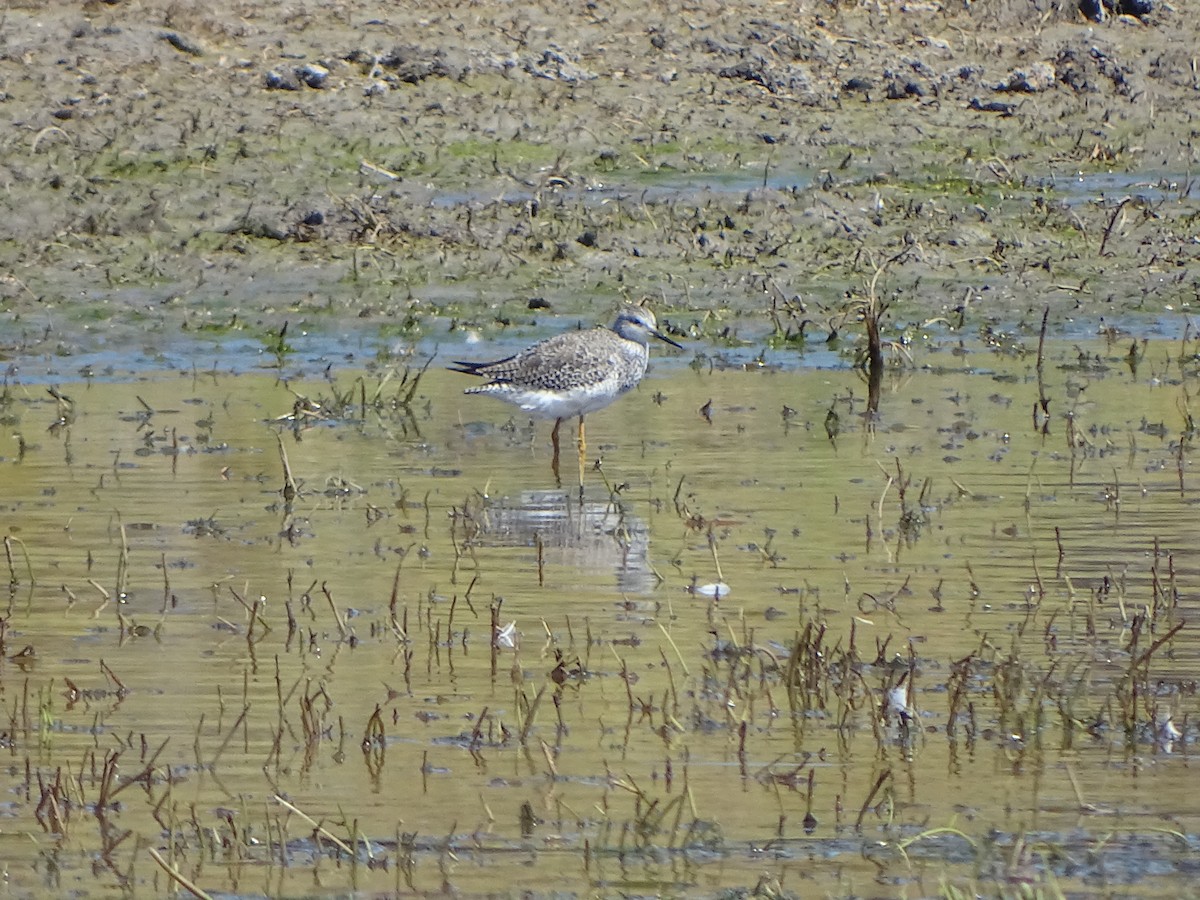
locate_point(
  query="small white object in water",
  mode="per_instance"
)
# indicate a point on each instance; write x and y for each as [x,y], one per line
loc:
[1166,731]
[717,589]
[506,636]
[898,705]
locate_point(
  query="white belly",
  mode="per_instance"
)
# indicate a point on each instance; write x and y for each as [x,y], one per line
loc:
[561,405]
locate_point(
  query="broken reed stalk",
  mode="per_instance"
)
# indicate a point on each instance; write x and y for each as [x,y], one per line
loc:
[289,481]
[253,611]
[373,736]
[933,832]
[1112,222]
[225,743]
[109,772]
[883,776]
[177,877]
[467,599]
[109,673]
[392,601]
[670,701]
[810,821]
[123,566]
[495,610]
[310,716]
[317,827]
[529,713]
[49,812]
[625,677]
[13,580]
[477,731]
[1144,659]
[675,647]
[549,754]
[166,585]
[406,401]
[956,686]
[338,617]
[712,546]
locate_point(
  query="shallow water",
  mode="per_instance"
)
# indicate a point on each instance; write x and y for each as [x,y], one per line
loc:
[625,731]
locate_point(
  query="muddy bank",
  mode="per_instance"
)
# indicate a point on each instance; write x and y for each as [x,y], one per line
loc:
[408,173]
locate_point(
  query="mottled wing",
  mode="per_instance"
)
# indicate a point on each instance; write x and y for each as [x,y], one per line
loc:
[555,364]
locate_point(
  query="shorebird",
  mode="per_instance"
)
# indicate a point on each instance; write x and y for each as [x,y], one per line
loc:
[572,374]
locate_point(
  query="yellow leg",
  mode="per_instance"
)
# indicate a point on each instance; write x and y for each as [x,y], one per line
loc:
[554,441]
[582,451]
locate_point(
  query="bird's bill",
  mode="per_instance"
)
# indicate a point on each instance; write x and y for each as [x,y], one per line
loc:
[663,337]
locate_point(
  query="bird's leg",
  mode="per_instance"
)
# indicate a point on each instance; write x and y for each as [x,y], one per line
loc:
[582,452]
[554,441]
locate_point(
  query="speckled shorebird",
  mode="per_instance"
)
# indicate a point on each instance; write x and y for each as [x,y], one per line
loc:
[574,373]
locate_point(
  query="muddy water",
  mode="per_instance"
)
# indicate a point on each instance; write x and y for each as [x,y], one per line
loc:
[688,691]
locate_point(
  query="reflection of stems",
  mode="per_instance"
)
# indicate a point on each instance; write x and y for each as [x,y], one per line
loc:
[712,545]
[1043,401]
[872,314]
[225,743]
[886,488]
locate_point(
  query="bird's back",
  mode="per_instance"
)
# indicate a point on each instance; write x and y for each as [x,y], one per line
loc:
[563,362]
[570,374]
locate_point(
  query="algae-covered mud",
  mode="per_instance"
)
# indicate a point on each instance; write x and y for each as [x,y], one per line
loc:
[179,170]
[289,615]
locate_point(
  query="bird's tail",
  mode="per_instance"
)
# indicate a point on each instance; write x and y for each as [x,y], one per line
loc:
[467,368]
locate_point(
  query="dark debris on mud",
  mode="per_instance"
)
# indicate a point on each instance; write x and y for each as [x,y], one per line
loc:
[591,156]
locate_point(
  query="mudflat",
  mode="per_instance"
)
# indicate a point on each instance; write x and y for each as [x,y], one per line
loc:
[416,168]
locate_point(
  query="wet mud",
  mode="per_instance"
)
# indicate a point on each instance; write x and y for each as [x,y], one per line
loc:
[180,173]
[882,584]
